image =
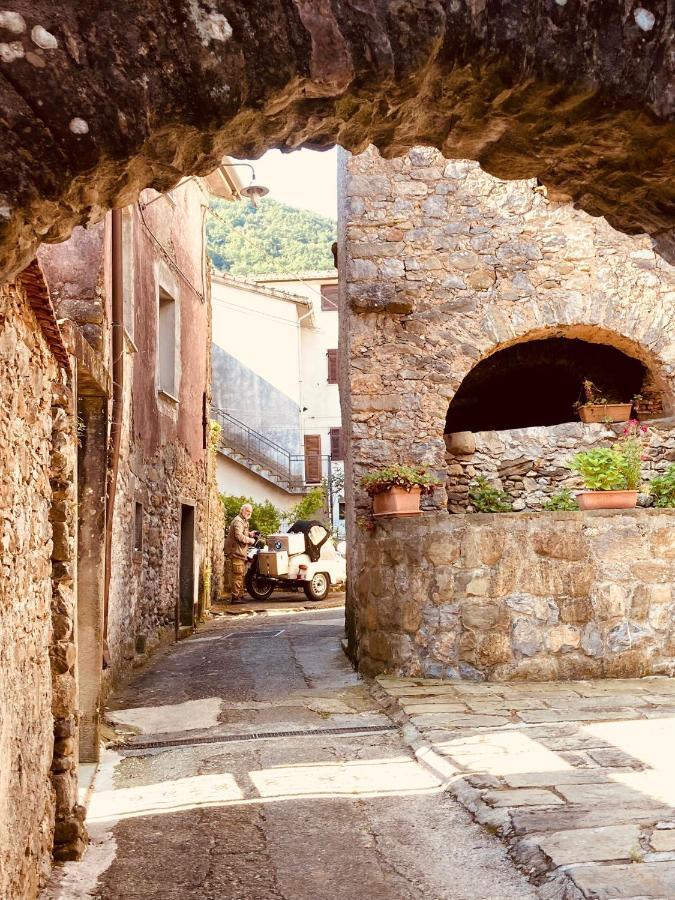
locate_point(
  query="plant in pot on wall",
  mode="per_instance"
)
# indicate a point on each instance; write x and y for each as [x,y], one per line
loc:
[396,490]
[612,475]
[599,407]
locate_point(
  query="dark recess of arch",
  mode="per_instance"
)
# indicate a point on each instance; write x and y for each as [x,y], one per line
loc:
[538,382]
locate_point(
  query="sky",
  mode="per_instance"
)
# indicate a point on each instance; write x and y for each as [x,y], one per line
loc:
[304,178]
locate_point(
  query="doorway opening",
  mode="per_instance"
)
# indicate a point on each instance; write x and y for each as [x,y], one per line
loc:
[186,575]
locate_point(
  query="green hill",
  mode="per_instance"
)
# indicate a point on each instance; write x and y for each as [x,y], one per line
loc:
[273,238]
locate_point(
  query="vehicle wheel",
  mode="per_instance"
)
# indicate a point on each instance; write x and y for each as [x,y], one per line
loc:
[259,588]
[317,588]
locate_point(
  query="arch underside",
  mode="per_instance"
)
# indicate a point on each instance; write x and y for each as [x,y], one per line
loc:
[536,378]
[135,95]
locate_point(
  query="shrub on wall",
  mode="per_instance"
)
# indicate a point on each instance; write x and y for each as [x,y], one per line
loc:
[488,499]
[562,500]
[662,488]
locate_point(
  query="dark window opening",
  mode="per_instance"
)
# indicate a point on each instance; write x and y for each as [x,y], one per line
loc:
[341,510]
[538,383]
[329,297]
[138,526]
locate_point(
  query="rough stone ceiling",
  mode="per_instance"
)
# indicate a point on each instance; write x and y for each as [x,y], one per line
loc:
[102,99]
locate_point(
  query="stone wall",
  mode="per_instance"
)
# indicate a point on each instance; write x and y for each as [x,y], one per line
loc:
[445,265]
[27,801]
[530,464]
[69,833]
[541,596]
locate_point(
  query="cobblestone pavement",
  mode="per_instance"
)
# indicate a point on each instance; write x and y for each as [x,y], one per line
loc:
[578,777]
[275,776]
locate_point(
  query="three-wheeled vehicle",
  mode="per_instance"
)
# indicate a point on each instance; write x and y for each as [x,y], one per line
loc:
[305,557]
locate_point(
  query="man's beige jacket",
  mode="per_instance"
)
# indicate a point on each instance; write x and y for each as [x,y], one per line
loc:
[237,542]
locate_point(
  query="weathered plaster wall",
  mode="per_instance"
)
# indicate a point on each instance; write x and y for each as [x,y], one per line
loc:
[445,265]
[27,800]
[163,460]
[530,464]
[541,596]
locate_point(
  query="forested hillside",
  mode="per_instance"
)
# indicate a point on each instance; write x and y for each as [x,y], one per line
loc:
[275,238]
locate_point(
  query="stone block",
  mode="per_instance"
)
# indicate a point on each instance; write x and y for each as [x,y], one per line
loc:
[442,550]
[562,638]
[576,667]
[626,635]
[639,602]
[645,881]
[526,637]
[483,615]
[610,601]
[523,797]
[612,842]
[559,544]
[663,841]
[575,610]
[592,642]
[493,648]
[460,443]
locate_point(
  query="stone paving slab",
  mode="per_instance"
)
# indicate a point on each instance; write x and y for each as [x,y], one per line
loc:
[576,777]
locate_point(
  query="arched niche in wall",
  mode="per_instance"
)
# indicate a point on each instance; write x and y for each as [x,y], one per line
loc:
[537,380]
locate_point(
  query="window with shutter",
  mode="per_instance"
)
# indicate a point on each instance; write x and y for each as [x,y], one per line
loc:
[336,443]
[312,458]
[332,367]
[329,297]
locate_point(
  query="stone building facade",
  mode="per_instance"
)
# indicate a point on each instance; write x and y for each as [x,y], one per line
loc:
[473,310]
[38,688]
[72,621]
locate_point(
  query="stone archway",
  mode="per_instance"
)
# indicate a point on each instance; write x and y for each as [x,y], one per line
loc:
[99,103]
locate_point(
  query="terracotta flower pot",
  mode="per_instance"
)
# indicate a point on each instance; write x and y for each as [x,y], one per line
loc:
[397,501]
[601,412]
[607,499]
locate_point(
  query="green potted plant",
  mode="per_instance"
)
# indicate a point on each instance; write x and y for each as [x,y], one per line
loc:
[612,475]
[598,407]
[396,490]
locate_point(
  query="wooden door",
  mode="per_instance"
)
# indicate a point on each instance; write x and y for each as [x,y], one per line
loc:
[312,458]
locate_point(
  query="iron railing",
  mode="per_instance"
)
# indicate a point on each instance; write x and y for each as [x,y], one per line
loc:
[288,468]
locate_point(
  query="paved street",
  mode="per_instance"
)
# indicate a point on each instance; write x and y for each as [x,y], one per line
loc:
[245,812]
[577,777]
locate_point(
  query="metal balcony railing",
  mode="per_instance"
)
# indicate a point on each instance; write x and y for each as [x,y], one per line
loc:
[293,470]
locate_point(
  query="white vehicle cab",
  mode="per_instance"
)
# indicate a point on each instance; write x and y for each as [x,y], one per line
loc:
[305,558]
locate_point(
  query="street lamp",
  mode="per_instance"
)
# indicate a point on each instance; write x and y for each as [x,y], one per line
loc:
[254,192]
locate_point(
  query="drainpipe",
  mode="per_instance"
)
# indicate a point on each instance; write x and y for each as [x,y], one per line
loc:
[116,421]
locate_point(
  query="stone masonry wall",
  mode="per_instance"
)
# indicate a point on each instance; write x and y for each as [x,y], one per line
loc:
[445,265]
[27,802]
[541,596]
[145,586]
[70,837]
[530,464]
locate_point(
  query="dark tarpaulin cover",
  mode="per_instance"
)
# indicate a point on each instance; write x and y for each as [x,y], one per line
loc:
[312,548]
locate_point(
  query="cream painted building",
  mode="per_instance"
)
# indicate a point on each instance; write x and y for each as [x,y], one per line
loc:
[275,391]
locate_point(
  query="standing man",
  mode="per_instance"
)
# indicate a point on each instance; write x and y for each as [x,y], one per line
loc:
[236,546]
